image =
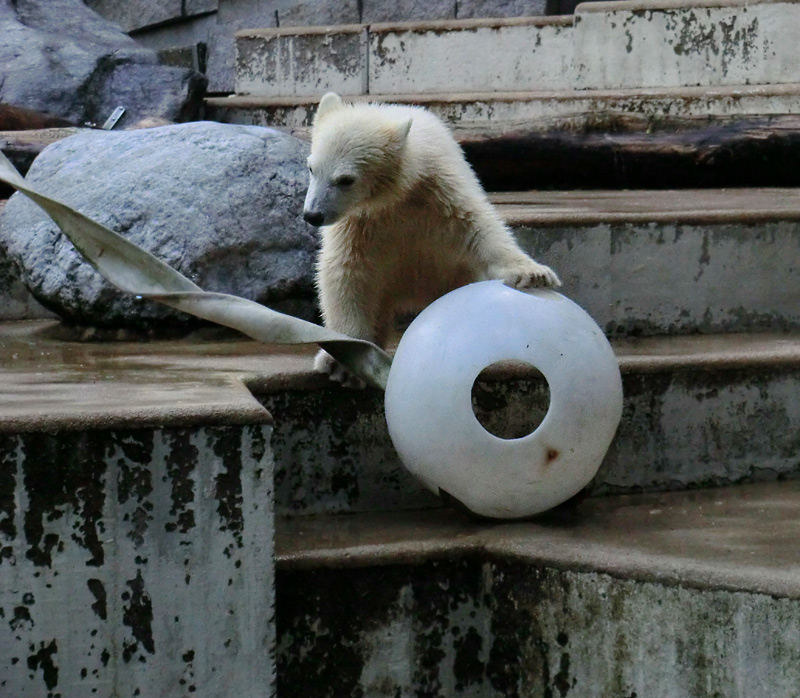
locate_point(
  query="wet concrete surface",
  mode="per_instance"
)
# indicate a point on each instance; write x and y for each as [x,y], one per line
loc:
[47,381]
[54,383]
[740,538]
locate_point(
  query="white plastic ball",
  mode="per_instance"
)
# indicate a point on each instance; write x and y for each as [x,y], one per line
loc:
[429,399]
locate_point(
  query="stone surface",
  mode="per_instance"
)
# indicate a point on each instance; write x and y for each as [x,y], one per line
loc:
[221,69]
[161,541]
[16,302]
[221,204]
[139,13]
[407,10]
[56,379]
[302,13]
[59,57]
[333,453]
[468,9]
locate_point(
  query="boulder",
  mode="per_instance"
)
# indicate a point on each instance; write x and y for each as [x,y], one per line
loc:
[61,58]
[222,204]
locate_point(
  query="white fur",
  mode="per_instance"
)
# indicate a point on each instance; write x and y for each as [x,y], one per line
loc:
[404,219]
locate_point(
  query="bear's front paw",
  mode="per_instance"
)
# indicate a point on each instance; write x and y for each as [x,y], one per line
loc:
[325,363]
[532,275]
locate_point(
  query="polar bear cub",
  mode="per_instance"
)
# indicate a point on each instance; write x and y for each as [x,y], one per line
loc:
[404,220]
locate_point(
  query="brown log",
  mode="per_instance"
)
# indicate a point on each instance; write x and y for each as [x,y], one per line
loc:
[18,119]
[637,153]
[22,147]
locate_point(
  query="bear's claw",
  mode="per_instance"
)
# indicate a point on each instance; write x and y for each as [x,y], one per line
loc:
[325,363]
[532,276]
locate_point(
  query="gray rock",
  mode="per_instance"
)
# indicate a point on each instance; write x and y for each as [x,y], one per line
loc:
[468,9]
[297,13]
[221,204]
[16,302]
[135,14]
[407,10]
[59,57]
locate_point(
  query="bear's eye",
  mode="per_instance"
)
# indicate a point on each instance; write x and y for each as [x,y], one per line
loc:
[310,169]
[344,180]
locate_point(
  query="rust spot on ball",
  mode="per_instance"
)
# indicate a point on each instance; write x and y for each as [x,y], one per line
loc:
[552,454]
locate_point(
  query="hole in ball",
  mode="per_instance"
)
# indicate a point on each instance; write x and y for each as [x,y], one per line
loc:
[510,399]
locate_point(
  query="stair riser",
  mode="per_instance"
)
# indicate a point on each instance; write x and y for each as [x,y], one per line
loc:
[507,630]
[679,429]
[303,64]
[379,59]
[617,46]
[136,562]
[610,46]
[667,278]
[486,58]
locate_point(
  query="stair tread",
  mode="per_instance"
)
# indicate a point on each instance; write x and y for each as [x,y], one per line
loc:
[55,383]
[688,91]
[627,206]
[741,538]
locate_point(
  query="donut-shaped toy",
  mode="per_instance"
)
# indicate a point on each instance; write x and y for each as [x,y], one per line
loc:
[429,399]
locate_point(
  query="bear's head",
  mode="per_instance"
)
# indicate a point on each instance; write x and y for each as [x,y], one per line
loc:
[356,159]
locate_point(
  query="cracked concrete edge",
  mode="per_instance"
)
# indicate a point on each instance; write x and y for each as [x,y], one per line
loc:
[418,26]
[666,5]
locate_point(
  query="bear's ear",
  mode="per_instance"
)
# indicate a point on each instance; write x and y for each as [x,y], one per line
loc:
[330,103]
[402,130]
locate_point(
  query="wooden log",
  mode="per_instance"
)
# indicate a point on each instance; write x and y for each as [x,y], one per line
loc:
[19,119]
[22,147]
[637,153]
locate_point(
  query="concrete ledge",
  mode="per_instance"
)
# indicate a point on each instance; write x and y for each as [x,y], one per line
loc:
[470,24]
[740,539]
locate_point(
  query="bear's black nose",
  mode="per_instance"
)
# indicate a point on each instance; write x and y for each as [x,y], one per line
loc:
[313,217]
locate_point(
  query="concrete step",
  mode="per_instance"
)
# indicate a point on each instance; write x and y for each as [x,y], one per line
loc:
[136,481]
[609,45]
[413,57]
[691,595]
[135,489]
[536,110]
[699,411]
[669,262]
